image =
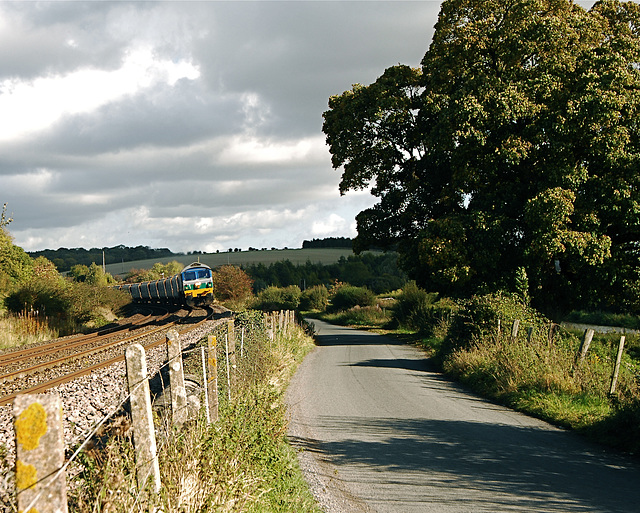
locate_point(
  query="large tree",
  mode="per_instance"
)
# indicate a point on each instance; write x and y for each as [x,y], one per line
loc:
[515,145]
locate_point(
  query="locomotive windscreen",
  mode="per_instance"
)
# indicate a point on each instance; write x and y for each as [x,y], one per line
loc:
[194,274]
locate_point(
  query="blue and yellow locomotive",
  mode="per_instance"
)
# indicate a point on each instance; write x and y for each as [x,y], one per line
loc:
[193,286]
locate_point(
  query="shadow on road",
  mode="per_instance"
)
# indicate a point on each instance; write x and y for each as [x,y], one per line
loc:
[487,458]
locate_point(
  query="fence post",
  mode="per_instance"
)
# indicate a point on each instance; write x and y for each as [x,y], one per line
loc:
[231,330]
[40,484]
[616,369]
[514,329]
[205,381]
[179,410]
[212,380]
[584,347]
[144,436]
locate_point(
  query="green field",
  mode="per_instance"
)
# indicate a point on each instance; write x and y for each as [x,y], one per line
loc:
[323,256]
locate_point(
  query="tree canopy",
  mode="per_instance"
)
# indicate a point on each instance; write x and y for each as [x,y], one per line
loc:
[514,146]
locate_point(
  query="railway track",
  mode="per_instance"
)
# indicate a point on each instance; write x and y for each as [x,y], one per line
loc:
[39,368]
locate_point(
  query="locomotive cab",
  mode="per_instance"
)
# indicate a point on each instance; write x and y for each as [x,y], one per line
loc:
[197,284]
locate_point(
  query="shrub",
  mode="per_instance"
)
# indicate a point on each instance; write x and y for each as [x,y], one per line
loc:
[230,283]
[422,311]
[348,296]
[279,298]
[479,318]
[315,298]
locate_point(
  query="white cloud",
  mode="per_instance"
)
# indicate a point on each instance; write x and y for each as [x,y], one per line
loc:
[32,105]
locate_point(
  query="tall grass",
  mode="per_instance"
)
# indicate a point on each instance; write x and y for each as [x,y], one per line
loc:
[24,328]
[539,373]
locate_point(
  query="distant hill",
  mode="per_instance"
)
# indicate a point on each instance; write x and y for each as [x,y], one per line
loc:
[124,257]
[323,256]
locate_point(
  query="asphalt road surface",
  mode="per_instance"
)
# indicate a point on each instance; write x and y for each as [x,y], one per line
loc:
[378,430]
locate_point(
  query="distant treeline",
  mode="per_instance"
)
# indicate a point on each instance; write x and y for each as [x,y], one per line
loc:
[64,259]
[378,272]
[329,242]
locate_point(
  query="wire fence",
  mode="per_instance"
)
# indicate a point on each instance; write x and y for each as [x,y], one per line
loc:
[241,346]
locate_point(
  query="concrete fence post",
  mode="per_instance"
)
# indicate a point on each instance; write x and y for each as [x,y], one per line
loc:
[584,347]
[212,379]
[179,410]
[616,368]
[231,330]
[205,381]
[515,328]
[40,484]
[144,436]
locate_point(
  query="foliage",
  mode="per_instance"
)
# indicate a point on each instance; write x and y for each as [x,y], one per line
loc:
[348,296]
[328,242]
[15,265]
[65,258]
[379,272]
[315,298]
[480,316]
[74,302]
[515,145]
[157,272]
[424,312]
[367,316]
[278,298]
[230,283]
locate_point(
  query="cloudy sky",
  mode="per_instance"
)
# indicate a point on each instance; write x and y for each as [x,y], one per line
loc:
[187,125]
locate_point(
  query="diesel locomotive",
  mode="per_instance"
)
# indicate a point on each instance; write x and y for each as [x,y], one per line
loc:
[193,286]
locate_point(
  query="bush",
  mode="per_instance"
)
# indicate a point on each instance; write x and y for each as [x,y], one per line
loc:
[279,298]
[347,296]
[230,283]
[479,318]
[422,311]
[315,298]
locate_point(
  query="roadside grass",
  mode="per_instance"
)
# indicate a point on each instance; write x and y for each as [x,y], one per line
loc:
[242,462]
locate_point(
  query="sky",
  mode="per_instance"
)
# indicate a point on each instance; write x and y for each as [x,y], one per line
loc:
[186,125]
[193,126]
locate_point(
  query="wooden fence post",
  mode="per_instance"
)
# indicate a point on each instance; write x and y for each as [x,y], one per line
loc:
[144,435]
[212,379]
[616,369]
[40,483]
[179,410]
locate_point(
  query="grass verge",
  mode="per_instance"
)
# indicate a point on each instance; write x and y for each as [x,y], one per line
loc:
[243,462]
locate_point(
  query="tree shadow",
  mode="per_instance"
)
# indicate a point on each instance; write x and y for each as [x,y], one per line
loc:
[526,468]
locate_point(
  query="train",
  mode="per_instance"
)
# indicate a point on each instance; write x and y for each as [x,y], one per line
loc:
[193,286]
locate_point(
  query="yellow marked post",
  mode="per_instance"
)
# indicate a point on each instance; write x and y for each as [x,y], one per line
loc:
[40,482]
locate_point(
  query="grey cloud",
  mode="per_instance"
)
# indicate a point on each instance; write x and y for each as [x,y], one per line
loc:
[165,148]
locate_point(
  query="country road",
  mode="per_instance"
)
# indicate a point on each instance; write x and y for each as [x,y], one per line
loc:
[379,431]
